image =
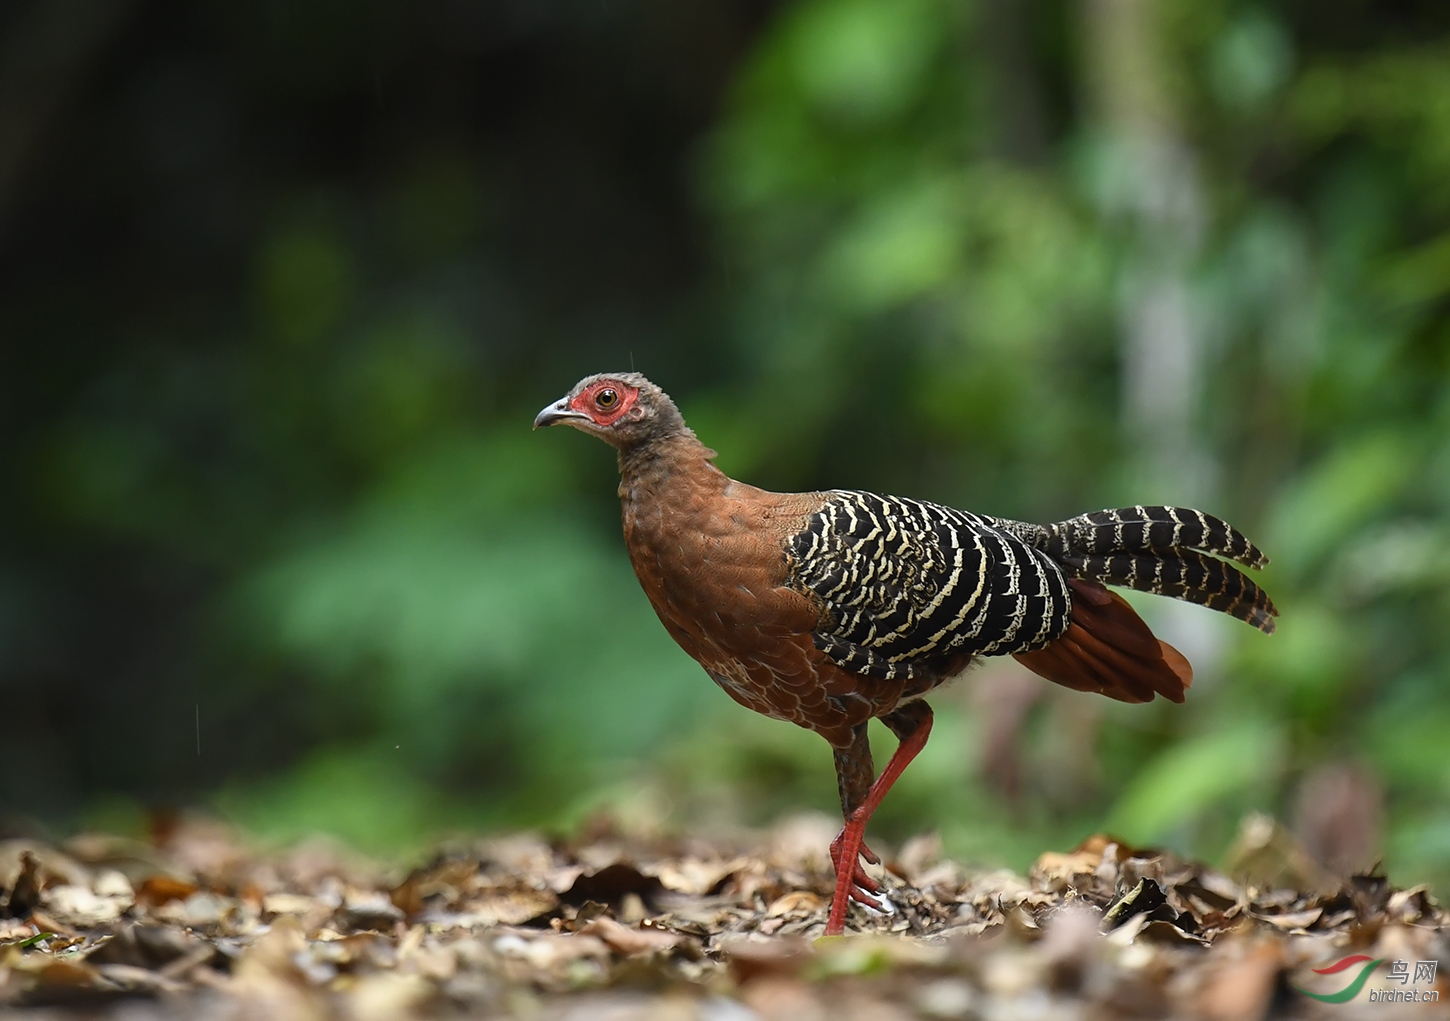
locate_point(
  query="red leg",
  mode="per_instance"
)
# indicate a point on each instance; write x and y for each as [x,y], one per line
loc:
[846,849]
[864,889]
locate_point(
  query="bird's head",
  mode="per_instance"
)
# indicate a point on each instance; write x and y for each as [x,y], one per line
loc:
[622,408]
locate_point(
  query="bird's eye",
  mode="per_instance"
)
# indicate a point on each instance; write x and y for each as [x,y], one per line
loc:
[607,399]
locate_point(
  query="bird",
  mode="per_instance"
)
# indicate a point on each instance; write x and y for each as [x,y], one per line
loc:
[830,609]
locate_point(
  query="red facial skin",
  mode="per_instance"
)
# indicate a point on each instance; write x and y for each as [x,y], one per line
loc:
[587,402]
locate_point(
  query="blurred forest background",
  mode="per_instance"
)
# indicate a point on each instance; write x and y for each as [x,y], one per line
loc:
[282,286]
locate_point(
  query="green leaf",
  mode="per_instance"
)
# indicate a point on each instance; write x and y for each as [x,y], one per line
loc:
[29,941]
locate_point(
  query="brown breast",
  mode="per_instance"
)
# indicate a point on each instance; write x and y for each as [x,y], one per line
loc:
[710,555]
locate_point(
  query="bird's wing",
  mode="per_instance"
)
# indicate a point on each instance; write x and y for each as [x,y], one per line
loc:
[907,586]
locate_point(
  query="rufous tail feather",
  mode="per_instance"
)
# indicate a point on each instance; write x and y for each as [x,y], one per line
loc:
[1107,648]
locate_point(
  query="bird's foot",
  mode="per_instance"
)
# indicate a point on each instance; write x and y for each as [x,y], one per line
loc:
[862,888]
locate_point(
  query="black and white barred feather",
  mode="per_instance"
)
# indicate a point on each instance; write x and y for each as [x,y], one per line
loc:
[1163,530]
[1161,550]
[908,585]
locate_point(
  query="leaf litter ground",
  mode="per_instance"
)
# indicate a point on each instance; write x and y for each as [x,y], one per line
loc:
[720,929]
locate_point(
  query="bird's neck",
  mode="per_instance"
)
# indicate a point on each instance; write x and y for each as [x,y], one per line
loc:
[665,464]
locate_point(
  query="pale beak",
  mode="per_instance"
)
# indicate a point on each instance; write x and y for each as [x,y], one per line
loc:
[558,412]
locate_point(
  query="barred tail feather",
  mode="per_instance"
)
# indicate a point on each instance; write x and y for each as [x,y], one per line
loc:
[1108,649]
[1181,574]
[1152,530]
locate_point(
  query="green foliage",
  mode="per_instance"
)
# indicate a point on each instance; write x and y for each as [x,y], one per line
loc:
[1194,776]
[482,622]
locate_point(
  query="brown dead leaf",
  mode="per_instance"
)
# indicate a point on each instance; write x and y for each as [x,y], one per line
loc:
[1076,870]
[444,878]
[147,945]
[696,877]
[50,866]
[1410,905]
[131,979]
[1292,920]
[288,904]
[370,909]
[14,931]
[1238,984]
[547,950]
[201,910]
[156,890]
[43,922]
[627,941]
[796,902]
[513,906]
[57,972]
[78,907]
[24,888]
[661,927]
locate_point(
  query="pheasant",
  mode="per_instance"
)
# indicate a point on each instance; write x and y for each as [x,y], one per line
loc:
[834,608]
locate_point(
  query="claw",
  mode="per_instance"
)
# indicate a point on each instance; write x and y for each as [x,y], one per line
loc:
[875,901]
[863,888]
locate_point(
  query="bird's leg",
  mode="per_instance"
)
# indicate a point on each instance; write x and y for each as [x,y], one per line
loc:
[912,726]
[854,775]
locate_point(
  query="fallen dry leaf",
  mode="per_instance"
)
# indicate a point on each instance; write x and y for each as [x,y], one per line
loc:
[624,940]
[652,927]
[160,889]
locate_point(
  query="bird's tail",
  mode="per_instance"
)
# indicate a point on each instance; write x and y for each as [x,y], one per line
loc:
[1164,550]
[1108,649]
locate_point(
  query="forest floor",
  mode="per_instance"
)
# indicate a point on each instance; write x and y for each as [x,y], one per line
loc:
[198,924]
